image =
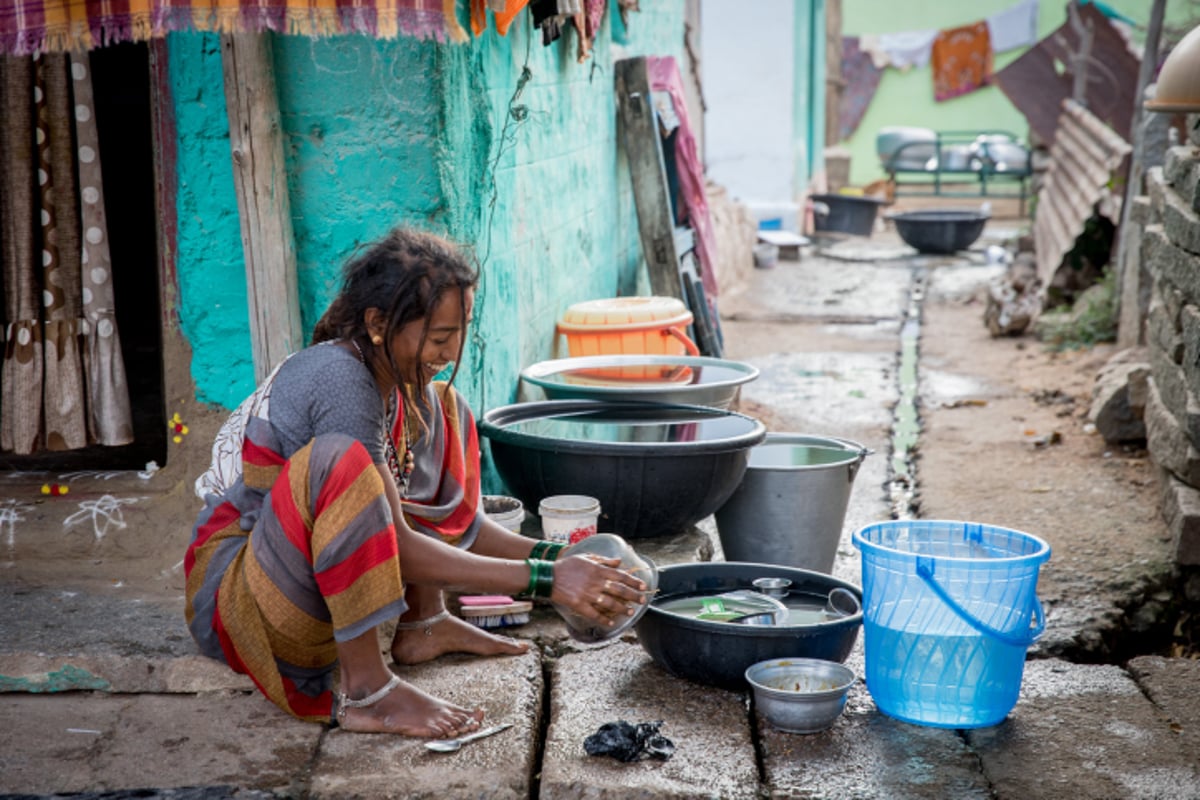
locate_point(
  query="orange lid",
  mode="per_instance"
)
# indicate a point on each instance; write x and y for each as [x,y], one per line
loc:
[626,312]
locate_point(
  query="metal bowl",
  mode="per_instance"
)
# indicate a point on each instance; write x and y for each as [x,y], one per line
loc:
[696,380]
[800,695]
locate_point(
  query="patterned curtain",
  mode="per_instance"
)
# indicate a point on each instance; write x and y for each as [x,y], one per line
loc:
[29,26]
[62,380]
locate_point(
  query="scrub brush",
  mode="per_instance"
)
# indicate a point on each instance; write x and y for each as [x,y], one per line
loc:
[494,611]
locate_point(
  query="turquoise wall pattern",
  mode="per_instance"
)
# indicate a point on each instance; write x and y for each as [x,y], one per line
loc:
[379,133]
[507,146]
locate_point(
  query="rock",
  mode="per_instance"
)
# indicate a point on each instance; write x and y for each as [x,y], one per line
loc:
[1013,302]
[1119,397]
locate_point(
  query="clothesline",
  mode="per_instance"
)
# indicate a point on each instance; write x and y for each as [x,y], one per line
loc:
[1009,29]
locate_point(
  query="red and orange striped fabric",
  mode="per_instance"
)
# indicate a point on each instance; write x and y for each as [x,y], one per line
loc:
[27,26]
[320,566]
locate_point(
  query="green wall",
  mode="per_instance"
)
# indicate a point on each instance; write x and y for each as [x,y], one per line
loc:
[906,98]
[385,132]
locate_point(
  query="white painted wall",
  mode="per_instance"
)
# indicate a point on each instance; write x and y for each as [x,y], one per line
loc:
[748,58]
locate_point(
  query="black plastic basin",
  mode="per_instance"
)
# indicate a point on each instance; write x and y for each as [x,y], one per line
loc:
[656,469]
[847,213]
[939,231]
[718,653]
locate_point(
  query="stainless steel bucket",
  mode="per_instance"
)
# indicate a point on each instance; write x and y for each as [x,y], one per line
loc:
[791,503]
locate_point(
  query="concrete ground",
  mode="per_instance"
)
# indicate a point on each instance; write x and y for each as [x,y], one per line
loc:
[106,695]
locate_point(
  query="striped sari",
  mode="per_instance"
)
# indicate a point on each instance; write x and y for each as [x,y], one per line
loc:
[301,552]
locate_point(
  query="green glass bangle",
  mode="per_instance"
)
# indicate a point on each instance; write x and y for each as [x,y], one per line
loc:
[541,578]
[548,551]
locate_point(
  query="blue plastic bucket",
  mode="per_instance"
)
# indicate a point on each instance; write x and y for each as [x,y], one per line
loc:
[949,609]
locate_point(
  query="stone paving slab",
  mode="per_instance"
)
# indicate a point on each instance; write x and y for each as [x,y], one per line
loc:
[1086,732]
[75,742]
[1171,683]
[57,640]
[714,754]
[509,689]
[867,755]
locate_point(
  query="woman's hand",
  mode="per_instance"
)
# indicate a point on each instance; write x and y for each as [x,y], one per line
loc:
[595,589]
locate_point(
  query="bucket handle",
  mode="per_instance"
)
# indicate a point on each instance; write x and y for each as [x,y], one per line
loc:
[925,570]
[862,451]
[688,344]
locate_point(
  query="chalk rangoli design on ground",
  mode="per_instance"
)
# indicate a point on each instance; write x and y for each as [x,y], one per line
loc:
[12,511]
[104,513]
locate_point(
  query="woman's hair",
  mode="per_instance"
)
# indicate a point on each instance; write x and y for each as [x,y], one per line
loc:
[404,275]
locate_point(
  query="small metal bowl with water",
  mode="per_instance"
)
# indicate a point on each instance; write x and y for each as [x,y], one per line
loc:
[800,695]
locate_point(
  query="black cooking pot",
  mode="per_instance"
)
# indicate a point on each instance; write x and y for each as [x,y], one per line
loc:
[718,653]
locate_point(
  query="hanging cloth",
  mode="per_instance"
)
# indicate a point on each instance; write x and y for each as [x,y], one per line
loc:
[664,77]
[504,18]
[64,420]
[21,372]
[29,26]
[1014,27]
[110,420]
[962,60]
[861,78]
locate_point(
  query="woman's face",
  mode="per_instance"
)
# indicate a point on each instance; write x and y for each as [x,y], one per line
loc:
[447,326]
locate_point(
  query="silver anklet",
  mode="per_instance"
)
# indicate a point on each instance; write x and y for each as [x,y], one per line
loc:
[426,623]
[345,702]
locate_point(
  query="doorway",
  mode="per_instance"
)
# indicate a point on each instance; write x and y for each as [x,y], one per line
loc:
[121,84]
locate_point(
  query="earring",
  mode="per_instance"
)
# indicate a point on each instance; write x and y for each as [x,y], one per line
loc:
[377,340]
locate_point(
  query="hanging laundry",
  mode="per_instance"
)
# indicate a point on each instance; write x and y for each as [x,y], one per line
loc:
[899,50]
[962,60]
[665,77]
[1014,27]
[505,18]
[861,78]
[587,26]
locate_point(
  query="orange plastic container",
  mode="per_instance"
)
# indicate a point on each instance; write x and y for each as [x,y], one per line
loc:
[628,326]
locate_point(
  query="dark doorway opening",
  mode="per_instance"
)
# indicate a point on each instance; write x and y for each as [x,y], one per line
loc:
[121,82]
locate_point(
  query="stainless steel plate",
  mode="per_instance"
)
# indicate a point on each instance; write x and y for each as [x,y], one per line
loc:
[695,380]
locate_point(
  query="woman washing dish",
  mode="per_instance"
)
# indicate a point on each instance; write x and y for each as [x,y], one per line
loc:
[344,494]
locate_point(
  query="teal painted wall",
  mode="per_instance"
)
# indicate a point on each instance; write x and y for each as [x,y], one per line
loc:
[906,98]
[385,132]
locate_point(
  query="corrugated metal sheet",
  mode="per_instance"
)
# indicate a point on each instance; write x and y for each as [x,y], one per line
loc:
[1084,158]
[1042,77]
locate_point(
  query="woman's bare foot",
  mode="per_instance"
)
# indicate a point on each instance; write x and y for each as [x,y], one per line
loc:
[408,711]
[450,635]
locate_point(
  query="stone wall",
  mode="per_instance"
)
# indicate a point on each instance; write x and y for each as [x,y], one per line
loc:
[1167,281]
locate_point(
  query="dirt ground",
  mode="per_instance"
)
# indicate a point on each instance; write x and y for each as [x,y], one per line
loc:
[1005,439]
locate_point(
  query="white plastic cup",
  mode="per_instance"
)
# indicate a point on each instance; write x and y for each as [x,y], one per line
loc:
[568,518]
[507,512]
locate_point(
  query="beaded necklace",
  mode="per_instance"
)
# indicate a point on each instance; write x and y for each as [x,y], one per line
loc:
[400,474]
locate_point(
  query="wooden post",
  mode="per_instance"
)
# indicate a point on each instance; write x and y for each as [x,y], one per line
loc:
[260,178]
[644,149]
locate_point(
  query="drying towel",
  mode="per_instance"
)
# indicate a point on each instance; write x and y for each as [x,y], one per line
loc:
[862,79]
[962,60]
[1014,27]
[907,49]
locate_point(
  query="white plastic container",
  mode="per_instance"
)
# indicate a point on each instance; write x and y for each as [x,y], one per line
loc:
[568,518]
[507,512]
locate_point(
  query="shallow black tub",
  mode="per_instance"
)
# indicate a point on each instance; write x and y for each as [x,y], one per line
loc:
[719,653]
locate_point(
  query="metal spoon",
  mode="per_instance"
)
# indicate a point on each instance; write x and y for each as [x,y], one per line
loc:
[451,745]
